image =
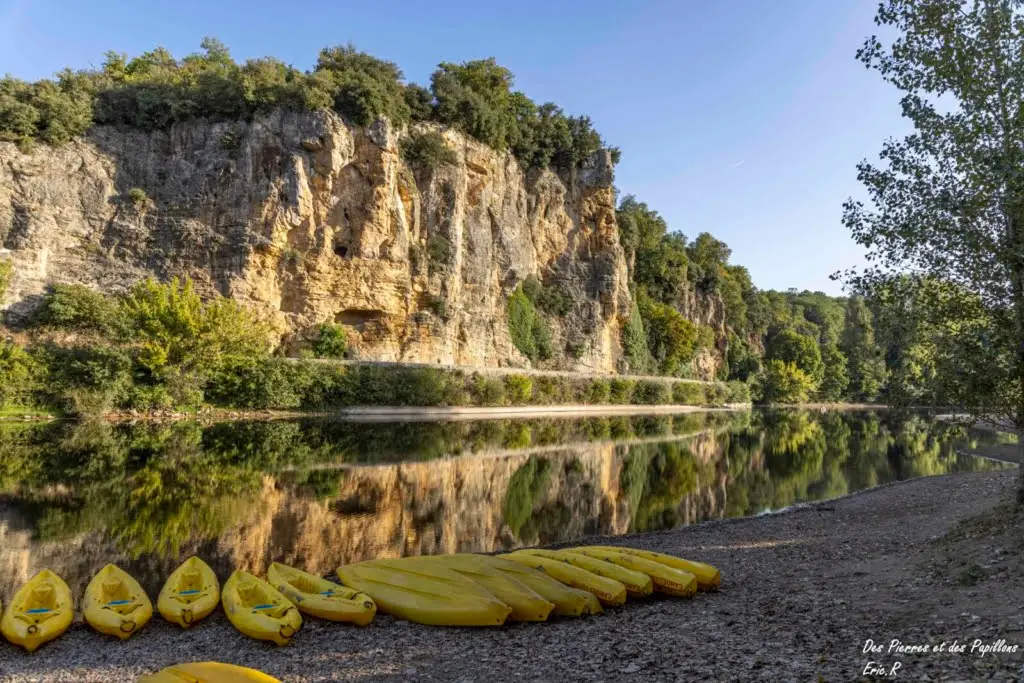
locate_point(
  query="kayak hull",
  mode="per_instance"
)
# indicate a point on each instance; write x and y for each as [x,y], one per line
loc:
[567,601]
[321,598]
[526,605]
[638,584]
[259,610]
[190,594]
[439,597]
[708,577]
[667,580]
[208,672]
[39,612]
[115,604]
[609,591]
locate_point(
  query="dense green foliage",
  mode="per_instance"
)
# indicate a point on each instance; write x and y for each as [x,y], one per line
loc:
[784,382]
[825,347]
[671,338]
[661,275]
[427,150]
[330,341]
[6,273]
[160,346]
[944,203]
[154,90]
[529,331]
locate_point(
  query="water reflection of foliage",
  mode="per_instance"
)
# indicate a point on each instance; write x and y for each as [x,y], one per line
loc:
[790,456]
[656,478]
[531,513]
[152,490]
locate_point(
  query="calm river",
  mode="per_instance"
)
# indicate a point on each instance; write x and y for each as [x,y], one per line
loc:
[320,493]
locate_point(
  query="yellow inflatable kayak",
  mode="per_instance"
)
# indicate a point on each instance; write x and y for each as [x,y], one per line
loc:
[638,584]
[438,597]
[258,610]
[190,594]
[115,604]
[608,591]
[568,601]
[526,605]
[708,577]
[667,580]
[321,598]
[40,611]
[208,672]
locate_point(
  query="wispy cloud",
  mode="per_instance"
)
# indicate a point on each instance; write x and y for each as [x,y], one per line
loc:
[739,163]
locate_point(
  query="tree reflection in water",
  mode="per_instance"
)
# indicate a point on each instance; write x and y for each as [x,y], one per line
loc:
[163,490]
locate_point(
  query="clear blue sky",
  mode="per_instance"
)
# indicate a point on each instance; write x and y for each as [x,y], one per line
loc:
[742,118]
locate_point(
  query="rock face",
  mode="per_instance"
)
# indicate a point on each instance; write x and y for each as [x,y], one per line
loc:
[312,220]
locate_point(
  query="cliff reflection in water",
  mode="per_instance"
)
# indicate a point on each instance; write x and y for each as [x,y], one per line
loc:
[318,493]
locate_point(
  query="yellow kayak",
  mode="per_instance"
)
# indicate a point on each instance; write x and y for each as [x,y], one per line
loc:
[208,672]
[526,605]
[321,598]
[568,601]
[115,604]
[708,577]
[638,584]
[40,611]
[438,597]
[608,591]
[190,594]
[258,610]
[667,580]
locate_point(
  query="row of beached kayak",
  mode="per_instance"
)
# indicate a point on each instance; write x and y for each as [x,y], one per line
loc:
[442,590]
[115,604]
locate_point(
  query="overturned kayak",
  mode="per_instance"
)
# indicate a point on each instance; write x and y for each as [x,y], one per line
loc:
[208,672]
[258,610]
[568,601]
[437,597]
[190,594]
[525,603]
[708,577]
[608,591]
[115,604]
[667,580]
[40,611]
[321,598]
[638,584]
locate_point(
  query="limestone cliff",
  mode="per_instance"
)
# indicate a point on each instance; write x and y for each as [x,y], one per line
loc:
[312,220]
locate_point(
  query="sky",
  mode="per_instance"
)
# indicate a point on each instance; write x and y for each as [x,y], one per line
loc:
[742,118]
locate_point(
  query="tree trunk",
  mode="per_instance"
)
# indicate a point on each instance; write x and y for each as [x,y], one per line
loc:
[1017,274]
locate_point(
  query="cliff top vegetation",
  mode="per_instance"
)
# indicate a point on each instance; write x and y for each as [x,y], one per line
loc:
[156,90]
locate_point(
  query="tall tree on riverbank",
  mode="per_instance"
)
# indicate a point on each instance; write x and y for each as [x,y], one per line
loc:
[947,201]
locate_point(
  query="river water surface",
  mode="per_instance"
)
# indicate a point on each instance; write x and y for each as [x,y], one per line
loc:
[318,493]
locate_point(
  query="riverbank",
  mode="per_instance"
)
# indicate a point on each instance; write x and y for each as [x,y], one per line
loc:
[434,414]
[925,561]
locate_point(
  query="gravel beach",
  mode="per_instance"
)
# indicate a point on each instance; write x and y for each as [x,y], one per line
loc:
[927,562]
